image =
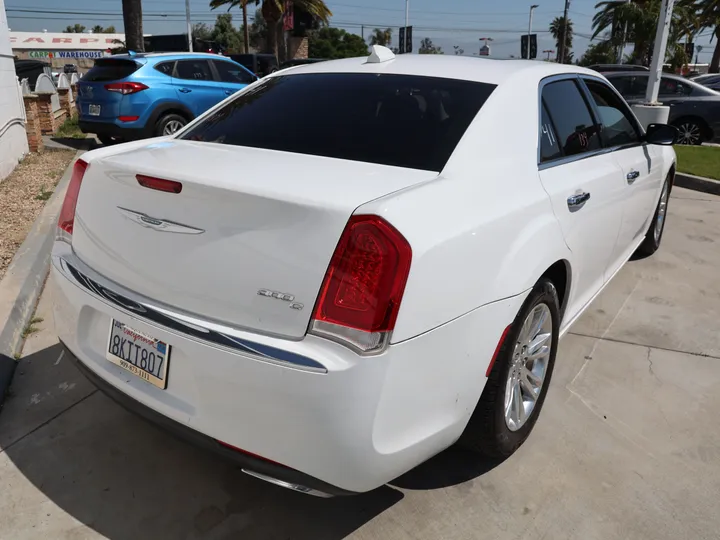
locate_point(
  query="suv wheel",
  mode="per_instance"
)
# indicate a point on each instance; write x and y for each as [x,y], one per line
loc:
[169,124]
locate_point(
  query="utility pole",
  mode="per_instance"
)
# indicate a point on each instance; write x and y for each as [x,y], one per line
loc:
[532,8]
[362,31]
[563,41]
[661,38]
[189,25]
[699,49]
[407,13]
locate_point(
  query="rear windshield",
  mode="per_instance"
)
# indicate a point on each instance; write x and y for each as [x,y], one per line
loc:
[402,120]
[111,69]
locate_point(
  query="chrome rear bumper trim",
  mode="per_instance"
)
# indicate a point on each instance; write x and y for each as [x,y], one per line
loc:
[175,322]
[288,485]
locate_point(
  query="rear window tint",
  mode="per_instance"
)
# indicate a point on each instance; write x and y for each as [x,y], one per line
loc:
[111,69]
[401,120]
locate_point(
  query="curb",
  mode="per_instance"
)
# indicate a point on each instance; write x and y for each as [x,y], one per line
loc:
[697,183]
[24,280]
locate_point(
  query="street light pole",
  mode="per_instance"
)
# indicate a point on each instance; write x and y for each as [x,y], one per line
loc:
[407,14]
[532,8]
[661,38]
[189,25]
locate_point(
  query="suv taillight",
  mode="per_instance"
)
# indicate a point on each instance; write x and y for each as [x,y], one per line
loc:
[360,296]
[66,222]
[126,87]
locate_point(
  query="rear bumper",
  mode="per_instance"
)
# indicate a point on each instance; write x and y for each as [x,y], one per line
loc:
[250,464]
[111,129]
[352,427]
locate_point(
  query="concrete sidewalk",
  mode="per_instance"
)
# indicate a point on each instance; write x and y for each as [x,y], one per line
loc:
[628,445]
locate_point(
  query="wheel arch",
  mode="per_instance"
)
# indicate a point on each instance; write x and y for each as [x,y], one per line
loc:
[707,130]
[560,274]
[169,108]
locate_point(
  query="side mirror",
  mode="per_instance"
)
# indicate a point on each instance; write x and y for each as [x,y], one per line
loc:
[662,134]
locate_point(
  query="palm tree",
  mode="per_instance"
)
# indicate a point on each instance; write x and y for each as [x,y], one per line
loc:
[273,11]
[557,29]
[709,17]
[132,19]
[381,37]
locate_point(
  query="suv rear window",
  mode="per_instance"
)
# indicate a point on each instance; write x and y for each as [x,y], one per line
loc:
[111,69]
[402,120]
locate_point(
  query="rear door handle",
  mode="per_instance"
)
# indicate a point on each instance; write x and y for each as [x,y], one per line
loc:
[184,90]
[632,176]
[577,201]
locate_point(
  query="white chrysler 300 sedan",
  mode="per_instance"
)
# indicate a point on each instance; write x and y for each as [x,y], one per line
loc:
[349,266]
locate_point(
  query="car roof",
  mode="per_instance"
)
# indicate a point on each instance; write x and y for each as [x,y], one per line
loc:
[450,67]
[169,56]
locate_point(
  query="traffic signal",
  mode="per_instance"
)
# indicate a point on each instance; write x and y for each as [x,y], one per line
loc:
[401,47]
[408,39]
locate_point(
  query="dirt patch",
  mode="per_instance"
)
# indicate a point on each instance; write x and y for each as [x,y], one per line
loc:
[23,195]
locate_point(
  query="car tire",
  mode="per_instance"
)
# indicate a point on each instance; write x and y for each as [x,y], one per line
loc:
[108,140]
[654,234]
[692,131]
[491,430]
[169,124]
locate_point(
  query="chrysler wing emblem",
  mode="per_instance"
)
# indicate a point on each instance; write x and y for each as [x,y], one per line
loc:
[162,225]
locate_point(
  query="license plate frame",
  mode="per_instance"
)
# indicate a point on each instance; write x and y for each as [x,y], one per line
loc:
[94,110]
[131,343]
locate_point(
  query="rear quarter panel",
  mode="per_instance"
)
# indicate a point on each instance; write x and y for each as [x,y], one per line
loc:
[485,230]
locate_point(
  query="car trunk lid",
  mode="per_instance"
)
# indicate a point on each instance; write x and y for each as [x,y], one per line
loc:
[246,242]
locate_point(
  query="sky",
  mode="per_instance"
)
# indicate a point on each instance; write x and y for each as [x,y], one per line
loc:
[448,23]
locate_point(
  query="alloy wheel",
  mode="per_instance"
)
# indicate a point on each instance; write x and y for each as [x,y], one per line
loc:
[172,126]
[528,366]
[662,211]
[689,133]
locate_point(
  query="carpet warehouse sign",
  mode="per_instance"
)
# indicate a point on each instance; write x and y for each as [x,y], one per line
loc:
[67,54]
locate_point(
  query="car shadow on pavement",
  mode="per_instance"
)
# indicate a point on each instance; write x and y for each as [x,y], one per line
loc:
[126,479]
[111,471]
[449,468]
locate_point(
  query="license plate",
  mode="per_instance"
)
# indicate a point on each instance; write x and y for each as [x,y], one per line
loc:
[138,353]
[94,110]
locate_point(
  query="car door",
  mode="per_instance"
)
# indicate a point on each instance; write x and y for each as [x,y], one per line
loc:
[584,184]
[196,85]
[233,76]
[640,165]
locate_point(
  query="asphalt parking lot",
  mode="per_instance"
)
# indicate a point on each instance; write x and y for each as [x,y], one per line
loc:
[628,445]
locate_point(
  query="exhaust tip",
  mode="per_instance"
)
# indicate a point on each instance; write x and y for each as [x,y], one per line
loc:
[288,485]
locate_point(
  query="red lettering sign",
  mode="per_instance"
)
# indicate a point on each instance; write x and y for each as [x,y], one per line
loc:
[39,40]
[62,40]
[89,40]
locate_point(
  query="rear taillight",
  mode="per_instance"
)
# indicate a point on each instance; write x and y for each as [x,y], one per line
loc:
[66,222]
[169,186]
[126,87]
[360,297]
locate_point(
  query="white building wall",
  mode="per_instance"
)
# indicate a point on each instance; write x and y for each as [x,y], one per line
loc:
[13,139]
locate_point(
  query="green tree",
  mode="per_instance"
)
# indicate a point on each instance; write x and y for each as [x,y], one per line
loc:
[428,47]
[707,14]
[132,20]
[458,50]
[258,32]
[381,37]
[602,52]
[273,11]
[201,31]
[333,43]
[225,34]
[98,29]
[557,29]
[75,29]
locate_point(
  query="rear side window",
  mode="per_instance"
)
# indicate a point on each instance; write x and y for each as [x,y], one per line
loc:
[166,68]
[549,147]
[575,129]
[233,73]
[194,70]
[401,120]
[111,69]
[622,84]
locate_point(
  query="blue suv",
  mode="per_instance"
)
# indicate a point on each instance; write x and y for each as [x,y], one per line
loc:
[133,96]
